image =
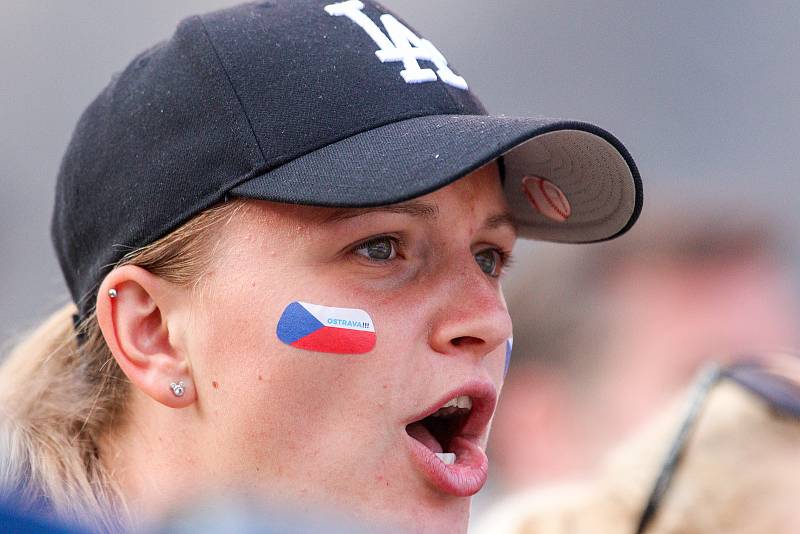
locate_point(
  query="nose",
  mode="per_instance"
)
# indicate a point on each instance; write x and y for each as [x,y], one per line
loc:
[472,317]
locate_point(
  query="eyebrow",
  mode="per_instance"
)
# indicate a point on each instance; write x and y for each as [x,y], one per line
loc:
[414,208]
[500,220]
[417,208]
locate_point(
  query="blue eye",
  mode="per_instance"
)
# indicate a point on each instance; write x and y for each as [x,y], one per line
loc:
[490,261]
[378,249]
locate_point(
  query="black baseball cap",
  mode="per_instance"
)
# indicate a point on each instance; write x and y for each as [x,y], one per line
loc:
[318,103]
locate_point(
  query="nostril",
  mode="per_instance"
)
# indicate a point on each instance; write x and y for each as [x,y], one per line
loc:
[466,341]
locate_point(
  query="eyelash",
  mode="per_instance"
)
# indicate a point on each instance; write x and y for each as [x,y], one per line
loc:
[506,258]
[506,261]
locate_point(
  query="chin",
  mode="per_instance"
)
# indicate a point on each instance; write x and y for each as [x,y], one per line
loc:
[452,517]
[427,510]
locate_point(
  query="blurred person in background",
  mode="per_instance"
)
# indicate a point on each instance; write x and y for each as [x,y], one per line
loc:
[721,458]
[615,330]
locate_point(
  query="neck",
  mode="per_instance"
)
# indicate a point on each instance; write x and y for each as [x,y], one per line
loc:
[152,460]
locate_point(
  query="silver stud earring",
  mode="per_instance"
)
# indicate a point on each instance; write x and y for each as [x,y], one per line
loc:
[112,293]
[177,389]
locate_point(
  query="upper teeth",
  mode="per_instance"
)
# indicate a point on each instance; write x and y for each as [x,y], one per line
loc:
[463,402]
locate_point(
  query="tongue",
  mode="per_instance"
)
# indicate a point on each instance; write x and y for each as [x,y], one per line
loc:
[420,433]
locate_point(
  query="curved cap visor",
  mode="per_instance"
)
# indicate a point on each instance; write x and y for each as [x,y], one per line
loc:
[412,157]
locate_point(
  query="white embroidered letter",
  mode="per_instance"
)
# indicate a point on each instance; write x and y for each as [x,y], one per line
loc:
[401,45]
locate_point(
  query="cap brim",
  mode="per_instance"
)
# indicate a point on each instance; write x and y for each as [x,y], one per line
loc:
[592,171]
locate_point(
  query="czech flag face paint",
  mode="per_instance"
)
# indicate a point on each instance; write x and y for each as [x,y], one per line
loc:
[326,329]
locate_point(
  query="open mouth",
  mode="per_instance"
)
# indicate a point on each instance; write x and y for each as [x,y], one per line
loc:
[438,429]
[446,439]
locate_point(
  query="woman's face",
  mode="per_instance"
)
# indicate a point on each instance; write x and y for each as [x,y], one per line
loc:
[344,430]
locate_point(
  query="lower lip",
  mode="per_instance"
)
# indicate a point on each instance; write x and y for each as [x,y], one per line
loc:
[463,478]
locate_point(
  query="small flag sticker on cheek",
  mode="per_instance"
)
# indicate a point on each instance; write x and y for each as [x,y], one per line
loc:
[326,329]
[509,346]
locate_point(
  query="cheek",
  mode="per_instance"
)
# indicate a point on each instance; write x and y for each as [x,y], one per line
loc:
[237,343]
[284,408]
[275,383]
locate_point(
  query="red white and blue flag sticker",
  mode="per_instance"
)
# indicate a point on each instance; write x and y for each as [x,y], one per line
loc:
[326,329]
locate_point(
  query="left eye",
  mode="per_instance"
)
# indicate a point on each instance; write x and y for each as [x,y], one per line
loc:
[378,249]
[490,261]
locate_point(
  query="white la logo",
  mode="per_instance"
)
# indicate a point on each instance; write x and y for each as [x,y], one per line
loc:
[404,45]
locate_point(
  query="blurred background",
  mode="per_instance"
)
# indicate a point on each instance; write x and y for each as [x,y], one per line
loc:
[704,94]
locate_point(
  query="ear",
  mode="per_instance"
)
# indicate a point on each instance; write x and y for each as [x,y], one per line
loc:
[136,325]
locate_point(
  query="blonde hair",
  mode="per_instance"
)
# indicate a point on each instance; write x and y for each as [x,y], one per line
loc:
[738,475]
[59,398]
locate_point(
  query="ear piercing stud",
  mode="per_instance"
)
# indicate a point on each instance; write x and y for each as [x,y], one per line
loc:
[177,388]
[112,293]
